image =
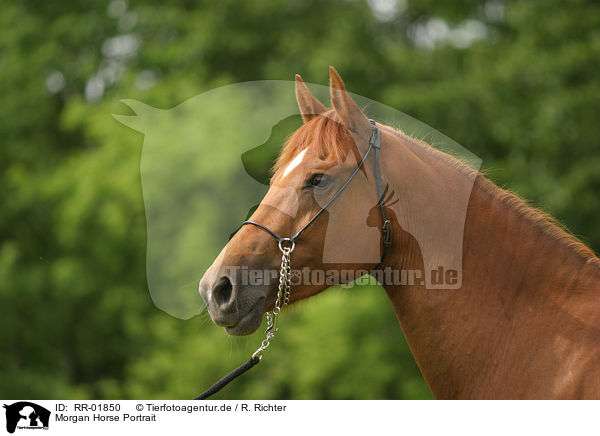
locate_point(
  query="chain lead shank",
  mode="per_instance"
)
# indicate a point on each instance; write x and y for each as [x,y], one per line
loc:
[283,295]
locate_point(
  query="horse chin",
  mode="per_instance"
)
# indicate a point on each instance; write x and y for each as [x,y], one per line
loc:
[249,323]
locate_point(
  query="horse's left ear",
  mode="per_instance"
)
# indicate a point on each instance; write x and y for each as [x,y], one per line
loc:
[309,106]
[351,115]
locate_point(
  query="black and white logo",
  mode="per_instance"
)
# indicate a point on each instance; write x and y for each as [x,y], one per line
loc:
[26,415]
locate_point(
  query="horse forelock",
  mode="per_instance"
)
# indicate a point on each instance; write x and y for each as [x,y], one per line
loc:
[325,135]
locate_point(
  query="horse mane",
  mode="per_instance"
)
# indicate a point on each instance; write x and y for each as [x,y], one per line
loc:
[541,220]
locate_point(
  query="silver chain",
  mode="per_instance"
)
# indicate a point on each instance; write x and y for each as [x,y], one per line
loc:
[286,246]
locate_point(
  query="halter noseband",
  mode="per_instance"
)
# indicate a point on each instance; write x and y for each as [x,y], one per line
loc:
[386,234]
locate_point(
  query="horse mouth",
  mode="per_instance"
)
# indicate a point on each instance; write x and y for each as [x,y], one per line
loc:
[250,322]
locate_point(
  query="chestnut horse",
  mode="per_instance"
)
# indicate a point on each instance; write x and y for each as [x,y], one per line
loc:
[525,321]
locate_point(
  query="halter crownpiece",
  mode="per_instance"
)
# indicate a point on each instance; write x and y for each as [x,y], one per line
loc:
[287,245]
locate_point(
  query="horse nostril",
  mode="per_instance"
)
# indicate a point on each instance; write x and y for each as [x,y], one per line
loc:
[222,292]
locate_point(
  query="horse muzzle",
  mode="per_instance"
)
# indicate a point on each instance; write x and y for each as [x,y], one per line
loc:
[238,309]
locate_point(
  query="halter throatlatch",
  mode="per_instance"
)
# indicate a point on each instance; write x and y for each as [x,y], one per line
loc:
[287,245]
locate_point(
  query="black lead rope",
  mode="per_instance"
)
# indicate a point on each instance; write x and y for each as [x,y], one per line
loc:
[254,360]
[374,143]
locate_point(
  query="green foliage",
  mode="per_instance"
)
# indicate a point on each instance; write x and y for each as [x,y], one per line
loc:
[77,318]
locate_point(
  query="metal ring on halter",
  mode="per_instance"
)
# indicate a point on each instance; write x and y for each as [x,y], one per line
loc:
[288,240]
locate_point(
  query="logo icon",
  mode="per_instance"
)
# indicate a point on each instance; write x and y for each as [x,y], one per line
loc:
[26,415]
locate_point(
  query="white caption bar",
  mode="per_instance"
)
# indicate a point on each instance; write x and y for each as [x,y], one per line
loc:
[299,417]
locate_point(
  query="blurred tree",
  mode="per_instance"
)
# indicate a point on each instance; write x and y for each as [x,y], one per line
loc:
[514,82]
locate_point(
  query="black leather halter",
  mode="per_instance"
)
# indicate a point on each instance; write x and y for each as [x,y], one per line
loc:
[386,234]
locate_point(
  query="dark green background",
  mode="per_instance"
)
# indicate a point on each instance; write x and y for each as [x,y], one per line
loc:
[515,82]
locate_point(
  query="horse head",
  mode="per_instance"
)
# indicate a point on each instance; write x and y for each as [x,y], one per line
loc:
[315,163]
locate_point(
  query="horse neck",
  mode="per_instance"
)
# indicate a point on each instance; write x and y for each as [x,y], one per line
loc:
[526,285]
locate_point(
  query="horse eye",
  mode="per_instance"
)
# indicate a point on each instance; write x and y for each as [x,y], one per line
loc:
[319,181]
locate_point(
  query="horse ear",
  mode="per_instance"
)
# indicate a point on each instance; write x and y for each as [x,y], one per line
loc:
[309,106]
[351,115]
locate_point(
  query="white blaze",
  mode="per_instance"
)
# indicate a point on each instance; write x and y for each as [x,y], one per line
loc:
[294,163]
